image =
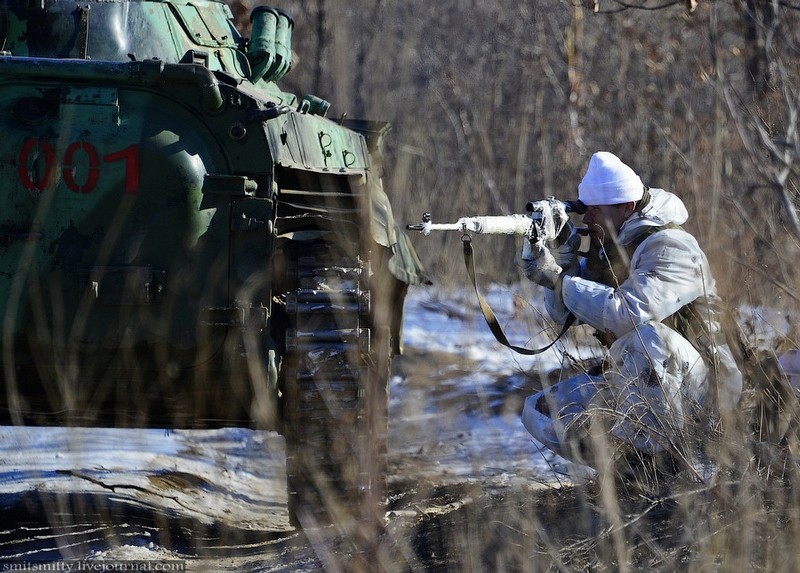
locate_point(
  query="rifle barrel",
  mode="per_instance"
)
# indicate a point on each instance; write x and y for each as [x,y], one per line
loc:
[519,225]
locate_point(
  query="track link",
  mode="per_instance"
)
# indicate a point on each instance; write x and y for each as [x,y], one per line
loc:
[333,463]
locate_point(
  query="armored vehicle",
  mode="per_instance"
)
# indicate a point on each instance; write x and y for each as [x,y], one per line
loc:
[184,244]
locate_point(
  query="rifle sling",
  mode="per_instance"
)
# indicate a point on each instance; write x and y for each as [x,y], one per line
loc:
[488,314]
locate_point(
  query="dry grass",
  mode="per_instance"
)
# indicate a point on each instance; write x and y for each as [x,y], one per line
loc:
[497,103]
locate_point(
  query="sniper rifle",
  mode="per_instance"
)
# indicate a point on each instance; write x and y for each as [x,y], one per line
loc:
[545,220]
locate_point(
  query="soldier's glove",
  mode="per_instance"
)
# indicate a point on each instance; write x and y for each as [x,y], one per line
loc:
[539,265]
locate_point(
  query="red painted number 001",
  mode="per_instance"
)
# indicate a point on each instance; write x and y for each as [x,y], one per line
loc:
[37,161]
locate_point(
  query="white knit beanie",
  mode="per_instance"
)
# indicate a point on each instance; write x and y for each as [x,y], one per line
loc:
[608,181]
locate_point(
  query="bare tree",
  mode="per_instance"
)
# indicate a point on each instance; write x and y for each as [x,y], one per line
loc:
[775,155]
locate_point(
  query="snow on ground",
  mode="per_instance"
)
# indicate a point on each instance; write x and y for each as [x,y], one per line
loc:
[468,433]
[452,322]
[769,328]
[477,443]
[224,470]
[454,417]
[451,423]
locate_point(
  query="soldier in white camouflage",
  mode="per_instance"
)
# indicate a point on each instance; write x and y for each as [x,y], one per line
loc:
[645,285]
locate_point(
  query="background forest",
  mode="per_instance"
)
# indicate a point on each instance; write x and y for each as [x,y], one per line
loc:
[495,103]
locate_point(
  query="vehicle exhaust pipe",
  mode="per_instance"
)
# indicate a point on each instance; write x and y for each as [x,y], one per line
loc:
[270,47]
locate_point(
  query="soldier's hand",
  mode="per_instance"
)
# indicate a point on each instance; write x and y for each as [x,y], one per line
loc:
[566,253]
[539,265]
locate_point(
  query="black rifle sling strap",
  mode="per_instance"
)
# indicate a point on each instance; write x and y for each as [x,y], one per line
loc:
[488,313]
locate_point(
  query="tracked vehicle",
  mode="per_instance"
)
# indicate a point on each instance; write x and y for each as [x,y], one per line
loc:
[184,244]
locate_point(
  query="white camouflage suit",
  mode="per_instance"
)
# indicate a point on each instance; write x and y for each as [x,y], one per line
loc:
[657,384]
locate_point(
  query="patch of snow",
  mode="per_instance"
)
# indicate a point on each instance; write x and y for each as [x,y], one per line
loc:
[463,434]
[453,322]
[476,441]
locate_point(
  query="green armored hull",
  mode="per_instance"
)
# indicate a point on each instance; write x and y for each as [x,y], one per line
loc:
[184,244]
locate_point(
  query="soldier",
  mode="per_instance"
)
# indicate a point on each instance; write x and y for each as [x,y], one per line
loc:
[646,287]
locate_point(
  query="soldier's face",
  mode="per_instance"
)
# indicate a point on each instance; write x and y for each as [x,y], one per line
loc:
[605,221]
